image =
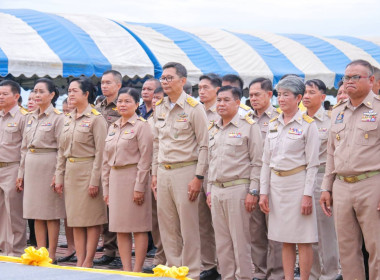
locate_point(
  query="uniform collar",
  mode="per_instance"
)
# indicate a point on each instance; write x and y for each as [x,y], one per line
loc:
[367,101]
[235,121]
[132,120]
[47,112]
[320,114]
[180,101]
[104,103]
[86,112]
[12,111]
[212,108]
[297,117]
[269,112]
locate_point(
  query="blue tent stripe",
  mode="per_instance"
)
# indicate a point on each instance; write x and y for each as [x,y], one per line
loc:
[365,45]
[277,62]
[3,63]
[77,51]
[156,64]
[332,57]
[201,54]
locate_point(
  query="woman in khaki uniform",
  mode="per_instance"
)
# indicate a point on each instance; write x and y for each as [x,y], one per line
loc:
[38,157]
[290,166]
[126,167]
[79,169]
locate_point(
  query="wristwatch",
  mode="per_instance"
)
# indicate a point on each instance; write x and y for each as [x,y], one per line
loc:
[254,192]
[200,177]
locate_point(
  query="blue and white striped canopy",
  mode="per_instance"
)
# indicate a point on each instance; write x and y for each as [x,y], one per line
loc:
[36,43]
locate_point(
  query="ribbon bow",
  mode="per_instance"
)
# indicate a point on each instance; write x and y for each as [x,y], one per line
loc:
[172,272]
[38,257]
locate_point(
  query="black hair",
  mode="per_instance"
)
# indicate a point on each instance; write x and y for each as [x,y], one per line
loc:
[19,99]
[159,90]
[214,79]
[50,87]
[156,82]
[64,101]
[179,68]
[340,83]
[116,75]
[15,87]
[318,83]
[133,93]
[364,63]
[265,83]
[86,85]
[236,92]
[327,105]
[232,78]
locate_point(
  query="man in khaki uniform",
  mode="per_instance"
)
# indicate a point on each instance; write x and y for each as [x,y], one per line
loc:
[207,88]
[179,166]
[376,82]
[326,257]
[147,91]
[235,150]
[110,84]
[12,122]
[353,173]
[266,254]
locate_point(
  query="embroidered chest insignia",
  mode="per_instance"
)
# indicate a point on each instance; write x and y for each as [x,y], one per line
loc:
[322,129]
[234,135]
[46,124]
[129,131]
[295,131]
[369,116]
[12,124]
[339,118]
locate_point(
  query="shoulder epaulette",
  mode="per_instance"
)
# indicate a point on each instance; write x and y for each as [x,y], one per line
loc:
[278,110]
[249,119]
[159,102]
[211,125]
[142,119]
[245,107]
[67,114]
[307,118]
[115,109]
[95,112]
[92,105]
[23,111]
[57,111]
[192,102]
[339,103]
[272,120]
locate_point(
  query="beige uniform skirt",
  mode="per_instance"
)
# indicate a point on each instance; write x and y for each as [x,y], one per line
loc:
[285,222]
[40,200]
[81,209]
[126,215]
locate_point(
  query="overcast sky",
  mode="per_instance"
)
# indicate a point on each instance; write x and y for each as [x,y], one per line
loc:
[319,17]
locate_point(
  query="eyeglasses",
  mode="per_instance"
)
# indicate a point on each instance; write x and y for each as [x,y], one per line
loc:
[354,78]
[167,79]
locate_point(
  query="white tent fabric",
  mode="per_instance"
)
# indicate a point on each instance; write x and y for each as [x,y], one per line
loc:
[35,44]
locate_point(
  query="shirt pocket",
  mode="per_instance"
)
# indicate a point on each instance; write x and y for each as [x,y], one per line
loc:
[338,133]
[234,146]
[181,130]
[272,137]
[11,134]
[367,133]
[82,134]
[294,143]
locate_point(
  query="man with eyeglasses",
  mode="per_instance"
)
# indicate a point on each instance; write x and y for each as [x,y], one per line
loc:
[180,153]
[352,173]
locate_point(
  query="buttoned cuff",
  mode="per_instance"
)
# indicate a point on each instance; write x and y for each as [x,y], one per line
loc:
[140,187]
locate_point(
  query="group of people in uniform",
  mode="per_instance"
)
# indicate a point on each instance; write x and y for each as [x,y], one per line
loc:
[226,190]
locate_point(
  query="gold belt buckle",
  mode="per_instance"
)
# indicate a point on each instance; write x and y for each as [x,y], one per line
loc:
[352,179]
[71,160]
[278,173]
[32,150]
[168,166]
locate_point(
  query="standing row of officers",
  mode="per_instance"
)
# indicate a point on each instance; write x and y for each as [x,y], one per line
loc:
[225,187]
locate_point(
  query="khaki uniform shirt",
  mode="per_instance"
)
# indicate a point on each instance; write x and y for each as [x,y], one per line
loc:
[108,111]
[41,132]
[180,133]
[82,137]
[263,120]
[290,146]
[212,115]
[354,140]
[323,121]
[235,152]
[129,144]
[11,130]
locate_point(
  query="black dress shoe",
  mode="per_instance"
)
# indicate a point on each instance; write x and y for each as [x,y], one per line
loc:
[151,253]
[99,249]
[103,260]
[339,277]
[63,245]
[211,274]
[66,259]
[115,264]
[297,272]
[149,269]
[258,279]
[73,259]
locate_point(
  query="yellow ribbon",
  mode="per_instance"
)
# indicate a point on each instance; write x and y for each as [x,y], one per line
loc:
[41,257]
[172,272]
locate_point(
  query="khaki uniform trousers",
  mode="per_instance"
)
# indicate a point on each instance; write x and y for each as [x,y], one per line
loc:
[179,219]
[325,253]
[12,224]
[356,214]
[232,232]
[266,254]
[159,257]
[207,235]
